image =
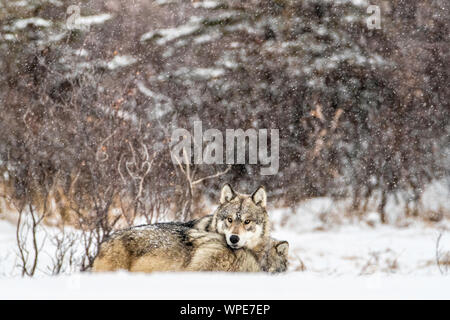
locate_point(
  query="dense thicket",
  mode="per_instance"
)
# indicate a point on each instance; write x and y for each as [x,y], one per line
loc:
[86,115]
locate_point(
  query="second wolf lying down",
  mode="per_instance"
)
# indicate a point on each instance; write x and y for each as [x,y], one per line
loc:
[176,247]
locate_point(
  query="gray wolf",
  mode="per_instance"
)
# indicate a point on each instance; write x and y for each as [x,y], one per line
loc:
[234,238]
[177,247]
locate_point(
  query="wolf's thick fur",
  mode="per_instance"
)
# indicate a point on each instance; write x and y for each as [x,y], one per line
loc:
[176,247]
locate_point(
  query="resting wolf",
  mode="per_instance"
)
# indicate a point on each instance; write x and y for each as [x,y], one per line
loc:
[241,221]
[177,247]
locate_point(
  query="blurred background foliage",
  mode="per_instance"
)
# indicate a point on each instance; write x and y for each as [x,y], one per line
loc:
[87,113]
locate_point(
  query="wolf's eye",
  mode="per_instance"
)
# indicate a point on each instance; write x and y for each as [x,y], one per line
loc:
[230,220]
[247,221]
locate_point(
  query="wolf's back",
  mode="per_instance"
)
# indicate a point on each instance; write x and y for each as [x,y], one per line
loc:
[202,224]
[146,248]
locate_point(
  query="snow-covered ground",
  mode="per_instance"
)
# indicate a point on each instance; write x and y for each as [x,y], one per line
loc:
[351,259]
[293,285]
[362,250]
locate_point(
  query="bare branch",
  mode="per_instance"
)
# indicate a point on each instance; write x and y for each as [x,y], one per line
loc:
[218,174]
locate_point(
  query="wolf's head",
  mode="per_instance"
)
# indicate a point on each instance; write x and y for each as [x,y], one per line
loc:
[242,218]
[276,259]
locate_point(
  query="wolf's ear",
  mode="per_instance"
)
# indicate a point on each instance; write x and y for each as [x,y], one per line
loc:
[260,197]
[227,194]
[282,247]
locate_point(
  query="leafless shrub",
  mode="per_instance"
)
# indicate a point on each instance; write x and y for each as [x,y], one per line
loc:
[64,258]
[27,226]
[442,256]
[189,172]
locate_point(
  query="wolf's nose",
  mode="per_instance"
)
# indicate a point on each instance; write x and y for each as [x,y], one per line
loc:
[234,239]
